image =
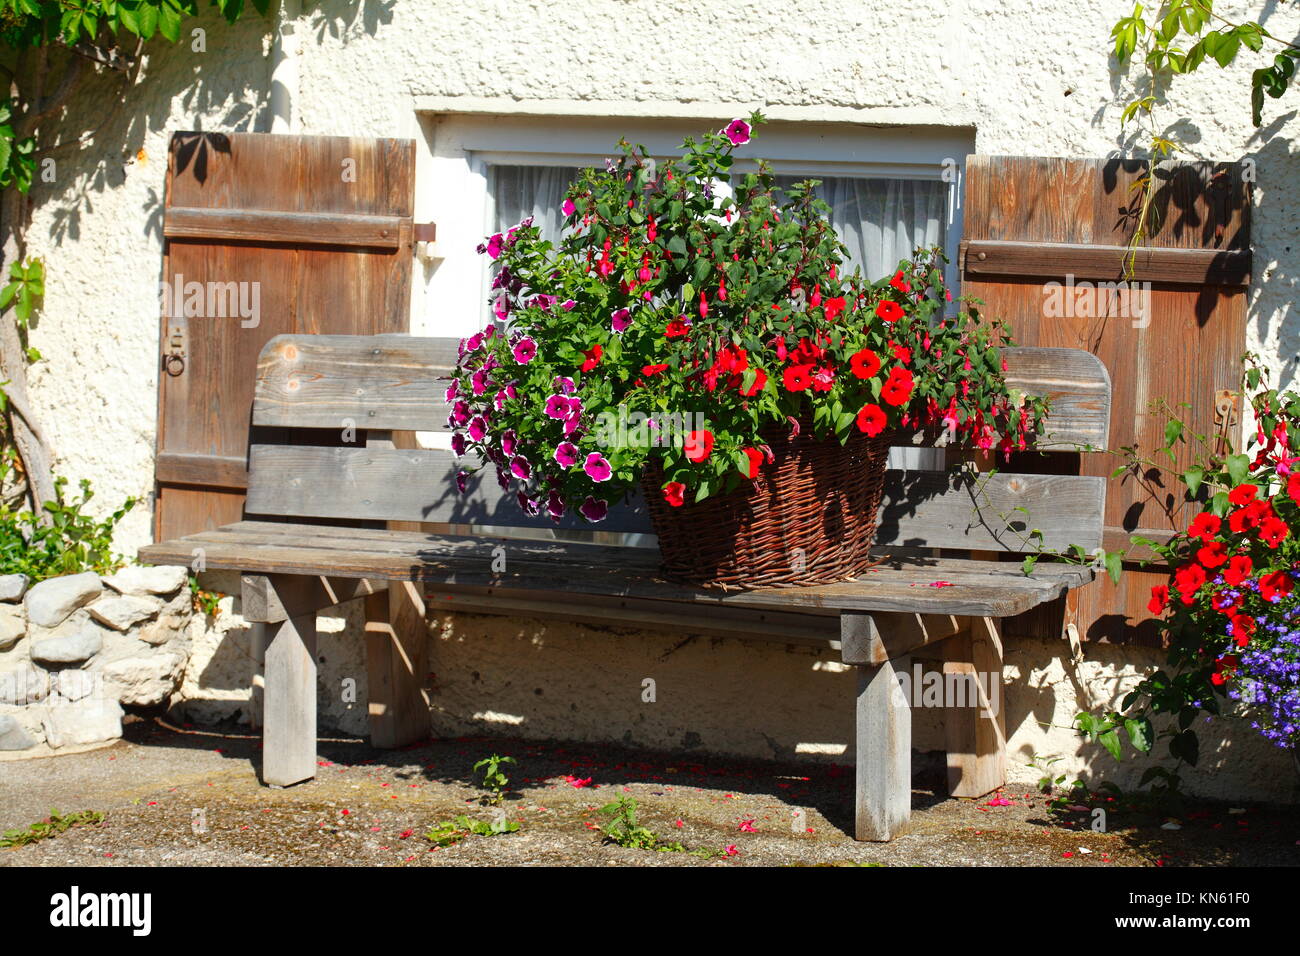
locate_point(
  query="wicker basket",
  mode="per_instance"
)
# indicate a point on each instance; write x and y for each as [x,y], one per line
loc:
[809,518]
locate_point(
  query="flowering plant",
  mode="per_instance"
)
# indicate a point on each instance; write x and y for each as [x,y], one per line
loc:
[1231,608]
[686,312]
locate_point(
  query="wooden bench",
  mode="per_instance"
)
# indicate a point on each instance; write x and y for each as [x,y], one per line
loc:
[354,509]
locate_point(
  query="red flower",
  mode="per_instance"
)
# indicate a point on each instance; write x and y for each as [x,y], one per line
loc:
[1243,627]
[1243,494]
[698,445]
[865,364]
[898,387]
[760,380]
[1239,568]
[1250,517]
[834,307]
[652,369]
[1226,605]
[899,283]
[593,357]
[1159,599]
[1277,584]
[1293,486]
[1188,580]
[755,461]
[871,419]
[889,311]
[797,378]
[823,379]
[673,493]
[1273,531]
[1213,554]
[677,328]
[1205,526]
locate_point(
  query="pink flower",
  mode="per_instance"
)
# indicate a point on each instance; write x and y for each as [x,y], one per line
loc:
[524,351]
[566,454]
[555,506]
[494,245]
[597,467]
[563,385]
[577,782]
[479,381]
[520,468]
[458,443]
[527,505]
[567,207]
[594,510]
[567,305]
[462,478]
[557,407]
[508,441]
[620,320]
[477,428]
[737,131]
[452,390]
[747,826]
[730,850]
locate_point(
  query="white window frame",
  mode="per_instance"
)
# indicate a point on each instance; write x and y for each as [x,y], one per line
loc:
[452,180]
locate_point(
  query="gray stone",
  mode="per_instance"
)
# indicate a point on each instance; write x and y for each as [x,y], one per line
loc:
[75,684]
[136,579]
[74,643]
[13,736]
[23,685]
[123,611]
[143,681]
[90,721]
[51,601]
[13,587]
[12,625]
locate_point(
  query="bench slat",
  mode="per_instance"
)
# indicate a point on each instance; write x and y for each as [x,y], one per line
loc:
[533,566]
[921,508]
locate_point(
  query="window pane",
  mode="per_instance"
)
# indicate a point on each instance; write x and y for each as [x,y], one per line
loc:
[518,192]
[882,220]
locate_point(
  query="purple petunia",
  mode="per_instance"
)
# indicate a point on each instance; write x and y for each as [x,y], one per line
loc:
[620,319]
[558,408]
[597,467]
[479,381]
[520,468]
[737,131]
[508,440]
[567,207]
[563,385]
[524,351]
[477,428]
[555,506]
[458,443]
[452,390]
[594,510]
[566,454]
[527,504]
[460,413]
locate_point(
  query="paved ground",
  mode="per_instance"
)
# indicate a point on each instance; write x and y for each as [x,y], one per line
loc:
[370,807]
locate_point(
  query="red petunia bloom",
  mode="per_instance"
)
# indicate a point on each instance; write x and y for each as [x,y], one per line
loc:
[1205,526]
[593,357]
[797,378]
[698,445]
[1277,584]
[1226,605]
[1250,517]
[898,387]
[899,283]
[674,493]
[889,311]
[1239,568]
[1243,494]
[1243,627]
[652,369]
[833,307]
[1159,599]
[1213,554]
[1293,486]
[677,328]
[871,419]
[865,364]
[823,379]
[1188,580]
[1273,531]
[755,461]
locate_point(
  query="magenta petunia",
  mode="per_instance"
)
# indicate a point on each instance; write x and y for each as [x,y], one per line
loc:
[452,390]
[594,510]
[568,305]
[494,245]
[737,131]
[566,454]
[568,207]
[524,351]
[479,381]
[597,467]
[511,391]
[508,441]
[520,468]
[477,428]
[527,505]
[499,400]
[563,385]
[458,443]
[462,479]
[460,413]
[620,320]
[557,407]
[555,506]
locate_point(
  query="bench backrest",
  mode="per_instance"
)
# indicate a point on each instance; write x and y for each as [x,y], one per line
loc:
[363,389]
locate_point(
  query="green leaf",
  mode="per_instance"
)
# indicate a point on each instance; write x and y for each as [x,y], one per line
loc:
[1193,477]
[1238,468]
[1140,733]
[1173,431]
[1110,740]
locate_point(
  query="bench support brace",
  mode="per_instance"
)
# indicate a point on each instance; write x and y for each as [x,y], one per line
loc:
[396,665]
[975,730]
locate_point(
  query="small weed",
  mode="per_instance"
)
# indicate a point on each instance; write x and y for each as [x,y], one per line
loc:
[51,826]
[451,832]
[494,781]
[208,602]
[622,829]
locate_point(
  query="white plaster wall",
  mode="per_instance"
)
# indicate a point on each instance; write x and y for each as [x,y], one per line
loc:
[1001,69]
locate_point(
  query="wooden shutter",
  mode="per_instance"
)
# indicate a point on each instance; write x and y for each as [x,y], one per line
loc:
[323,226]
[1030,221]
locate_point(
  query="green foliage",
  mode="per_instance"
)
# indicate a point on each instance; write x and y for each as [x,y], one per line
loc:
[207,602]
[25,291]
[451,832]
[70,542]
[16,160]
[493,779]
[622,828]
[51,826]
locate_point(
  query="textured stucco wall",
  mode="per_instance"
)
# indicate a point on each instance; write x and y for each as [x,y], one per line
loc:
[1001,69]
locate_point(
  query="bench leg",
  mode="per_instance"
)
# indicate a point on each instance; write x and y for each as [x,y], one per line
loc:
[396,662]
[289,715]
[974,724]
[883,797]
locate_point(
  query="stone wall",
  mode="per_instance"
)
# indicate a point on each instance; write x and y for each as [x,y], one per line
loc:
[75,650]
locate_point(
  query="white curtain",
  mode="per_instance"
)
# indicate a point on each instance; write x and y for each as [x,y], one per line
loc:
[882,221]
[517,192]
